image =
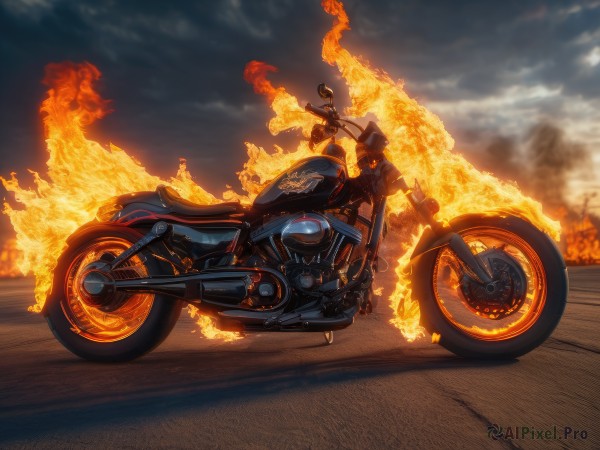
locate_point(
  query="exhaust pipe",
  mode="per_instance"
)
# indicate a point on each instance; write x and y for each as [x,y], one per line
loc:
[307,320]
[339,322]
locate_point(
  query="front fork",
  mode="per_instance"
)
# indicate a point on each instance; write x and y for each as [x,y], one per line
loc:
[427,207]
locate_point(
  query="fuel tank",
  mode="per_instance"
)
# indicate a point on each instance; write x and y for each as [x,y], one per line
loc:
[318,182]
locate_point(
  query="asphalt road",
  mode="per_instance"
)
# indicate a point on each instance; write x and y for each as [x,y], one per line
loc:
[370,389]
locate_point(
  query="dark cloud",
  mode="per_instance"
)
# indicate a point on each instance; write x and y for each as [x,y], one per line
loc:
[174,69]
[485,46]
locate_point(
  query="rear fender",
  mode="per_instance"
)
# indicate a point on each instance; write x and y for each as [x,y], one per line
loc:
[80,237]
[82,233]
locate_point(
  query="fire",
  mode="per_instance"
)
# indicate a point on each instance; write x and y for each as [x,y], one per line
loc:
[582,244]
[82,175]
[422,149]
[10,259]
[419,146]
[288,112]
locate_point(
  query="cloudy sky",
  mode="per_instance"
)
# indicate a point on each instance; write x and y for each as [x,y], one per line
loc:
[491,69]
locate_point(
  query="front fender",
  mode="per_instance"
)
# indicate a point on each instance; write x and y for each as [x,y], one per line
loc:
[430,241]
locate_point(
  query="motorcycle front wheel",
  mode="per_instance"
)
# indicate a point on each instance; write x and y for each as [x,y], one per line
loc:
[122,329]
[506,318]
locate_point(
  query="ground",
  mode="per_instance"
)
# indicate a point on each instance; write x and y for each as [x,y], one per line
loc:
[369,389]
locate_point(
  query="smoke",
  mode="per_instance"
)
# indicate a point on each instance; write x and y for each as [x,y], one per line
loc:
[554,159]
[542,162]
[504,158]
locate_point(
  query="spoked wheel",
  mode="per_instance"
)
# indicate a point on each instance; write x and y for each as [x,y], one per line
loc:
[507,317]
[114,326]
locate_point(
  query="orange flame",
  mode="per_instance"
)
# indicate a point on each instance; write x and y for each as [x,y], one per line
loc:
[422,148]
[288,112]
[262,166]
[419,146]
[10,259]
[255,73]
[582,244]
[82,175]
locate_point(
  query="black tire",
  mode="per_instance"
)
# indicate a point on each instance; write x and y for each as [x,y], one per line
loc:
[162,312]
[459,341]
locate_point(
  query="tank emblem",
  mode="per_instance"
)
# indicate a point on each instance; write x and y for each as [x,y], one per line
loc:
[300,182]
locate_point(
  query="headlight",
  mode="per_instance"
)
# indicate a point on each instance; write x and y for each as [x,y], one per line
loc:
[108,211]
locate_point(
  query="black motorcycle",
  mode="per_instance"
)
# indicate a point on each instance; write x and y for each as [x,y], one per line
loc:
[301,258]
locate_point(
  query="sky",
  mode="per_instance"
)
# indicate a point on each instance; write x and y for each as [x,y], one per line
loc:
[493,71]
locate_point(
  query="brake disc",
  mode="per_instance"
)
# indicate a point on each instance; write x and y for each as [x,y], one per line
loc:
[504,295]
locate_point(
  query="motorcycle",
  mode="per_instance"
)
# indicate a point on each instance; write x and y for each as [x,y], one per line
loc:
[302,258]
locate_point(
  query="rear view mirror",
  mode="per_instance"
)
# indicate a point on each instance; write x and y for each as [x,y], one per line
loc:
[326,93]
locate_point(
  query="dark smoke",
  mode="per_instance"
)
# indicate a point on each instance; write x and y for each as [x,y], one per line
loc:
[504,158]
[541,162]
[553,159]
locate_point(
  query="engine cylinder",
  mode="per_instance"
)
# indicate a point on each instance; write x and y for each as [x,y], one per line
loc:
[307,234]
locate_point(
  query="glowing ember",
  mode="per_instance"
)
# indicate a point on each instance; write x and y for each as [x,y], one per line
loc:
[419,146]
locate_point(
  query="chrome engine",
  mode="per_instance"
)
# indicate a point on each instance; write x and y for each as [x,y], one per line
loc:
[307,234]
[313,250]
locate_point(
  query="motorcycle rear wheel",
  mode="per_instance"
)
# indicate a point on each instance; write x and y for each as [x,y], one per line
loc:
[133,326]
[483,327]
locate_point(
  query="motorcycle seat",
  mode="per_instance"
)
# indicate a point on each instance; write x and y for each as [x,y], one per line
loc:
[178,205]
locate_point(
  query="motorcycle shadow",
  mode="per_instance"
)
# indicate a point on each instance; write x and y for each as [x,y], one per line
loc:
[264,367]
[184,381]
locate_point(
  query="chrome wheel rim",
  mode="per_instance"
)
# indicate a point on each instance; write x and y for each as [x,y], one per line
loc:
[459,312]
[89,320]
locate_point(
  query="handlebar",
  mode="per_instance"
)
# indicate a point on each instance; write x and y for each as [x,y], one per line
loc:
[383,178]
[321,112]
[333,118]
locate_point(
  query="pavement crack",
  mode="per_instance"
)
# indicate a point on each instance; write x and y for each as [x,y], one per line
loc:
[582,289]
[26,343]
[583,303]
[482,418]
[572,344]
